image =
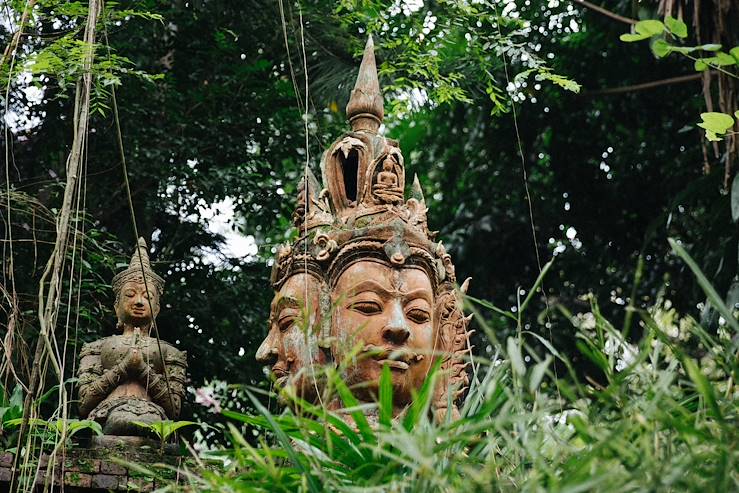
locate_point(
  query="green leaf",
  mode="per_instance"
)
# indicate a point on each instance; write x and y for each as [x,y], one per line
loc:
[683,49]
[559,80]
[735,197]
[712,137]
[704,387]
[661,48]
[710,47]
[715,122]
[676,27]
[422,399]
[630,38]
[700,65]
[650,27]
[735,53]
[312,483]
[705,284]
[386,396]
[514,354]
[356,413]
[724,59]
[535,287]
[537,373]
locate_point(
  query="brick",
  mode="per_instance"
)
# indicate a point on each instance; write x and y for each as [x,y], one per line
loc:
[81,480]
[82,465]
[112,468]
[140,484]
[6,459]
[5,474]
[107,481]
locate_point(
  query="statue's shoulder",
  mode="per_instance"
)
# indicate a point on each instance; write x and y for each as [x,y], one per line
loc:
[92,348]
[172,354]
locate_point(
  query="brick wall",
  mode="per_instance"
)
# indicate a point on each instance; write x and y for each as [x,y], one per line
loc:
[93,470]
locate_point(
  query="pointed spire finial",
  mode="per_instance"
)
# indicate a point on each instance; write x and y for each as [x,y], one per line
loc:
[135,271]
[135,262]
[416,190]
[365,109]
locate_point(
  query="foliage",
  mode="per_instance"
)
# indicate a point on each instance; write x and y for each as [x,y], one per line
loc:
[663,418]
[716,124]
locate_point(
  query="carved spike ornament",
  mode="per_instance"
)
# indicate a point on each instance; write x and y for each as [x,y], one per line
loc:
[364,286]
[130,377]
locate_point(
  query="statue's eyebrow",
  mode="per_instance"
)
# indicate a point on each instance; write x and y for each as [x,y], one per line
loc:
[369,285]
[285,301]
[418,294]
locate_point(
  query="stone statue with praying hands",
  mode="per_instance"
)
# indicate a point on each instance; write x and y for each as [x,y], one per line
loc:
[131,376]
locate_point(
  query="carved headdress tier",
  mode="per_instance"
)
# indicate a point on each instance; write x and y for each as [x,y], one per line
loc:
[138,268]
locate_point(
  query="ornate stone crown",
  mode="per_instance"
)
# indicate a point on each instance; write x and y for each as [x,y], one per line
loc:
[362,214]
[134,272]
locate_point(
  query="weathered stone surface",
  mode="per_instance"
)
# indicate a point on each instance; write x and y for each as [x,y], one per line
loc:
[5,474]
[108,481]
[107,467]
[132,377]
[140,484]
[6,459]
[82,465]
[78,479]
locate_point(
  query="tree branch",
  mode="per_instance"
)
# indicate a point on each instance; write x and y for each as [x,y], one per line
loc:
[644,86]
[606,12]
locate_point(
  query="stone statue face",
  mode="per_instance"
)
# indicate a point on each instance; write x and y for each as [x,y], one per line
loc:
[132,306]
[388,312]
[291,346]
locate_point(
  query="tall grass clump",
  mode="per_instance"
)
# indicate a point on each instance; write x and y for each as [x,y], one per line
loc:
[660,416]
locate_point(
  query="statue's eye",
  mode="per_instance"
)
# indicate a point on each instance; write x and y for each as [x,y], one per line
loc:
[366,307]
[418,316]
[285,323]
[130,293]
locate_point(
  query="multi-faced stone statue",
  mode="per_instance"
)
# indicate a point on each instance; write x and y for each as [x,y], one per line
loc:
[294,348]
[291,347]
[391,288]
[131,376]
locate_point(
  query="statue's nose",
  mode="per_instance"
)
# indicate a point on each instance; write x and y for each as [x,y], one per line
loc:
[267,352]
[396,331]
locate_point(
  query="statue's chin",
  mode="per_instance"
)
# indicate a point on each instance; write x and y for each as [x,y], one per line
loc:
[137,321]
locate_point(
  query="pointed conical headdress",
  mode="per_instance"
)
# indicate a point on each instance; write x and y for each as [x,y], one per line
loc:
[139,259]
[365,109]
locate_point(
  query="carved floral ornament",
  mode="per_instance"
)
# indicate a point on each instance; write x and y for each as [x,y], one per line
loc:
[371,278]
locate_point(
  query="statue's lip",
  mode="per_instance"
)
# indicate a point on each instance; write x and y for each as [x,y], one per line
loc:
[394,364]
[279,370]
[398,358]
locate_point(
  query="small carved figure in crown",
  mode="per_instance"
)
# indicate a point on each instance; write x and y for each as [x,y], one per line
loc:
[387,187]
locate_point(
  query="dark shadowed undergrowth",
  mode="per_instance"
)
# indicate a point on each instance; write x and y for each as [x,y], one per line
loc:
[660,415]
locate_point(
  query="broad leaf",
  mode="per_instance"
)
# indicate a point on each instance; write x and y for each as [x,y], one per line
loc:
[676,27]
[661,48]
[650,27]
[710,47]
[715,122]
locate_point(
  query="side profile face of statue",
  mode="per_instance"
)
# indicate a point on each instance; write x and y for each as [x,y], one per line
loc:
[134,305]
[291,346]
[387,312]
